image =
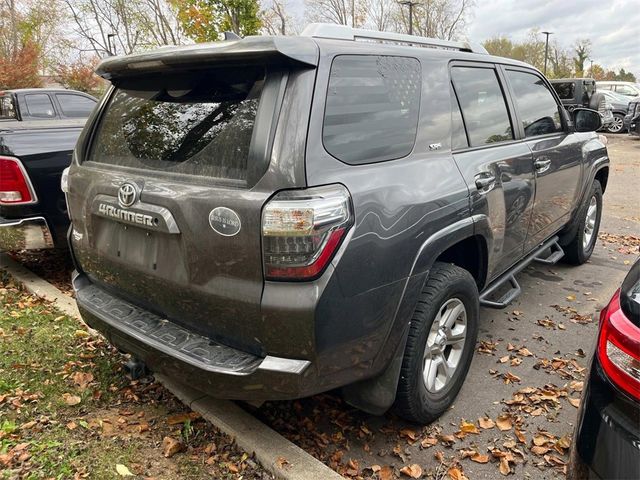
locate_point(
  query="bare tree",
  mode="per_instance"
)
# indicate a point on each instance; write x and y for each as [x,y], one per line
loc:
[343,12]
[277,21]
[380,14]
[444,19]
[582,49]
[124,26]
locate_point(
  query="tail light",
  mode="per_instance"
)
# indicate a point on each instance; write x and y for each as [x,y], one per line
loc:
[15,186]
[302,229]
[619,348]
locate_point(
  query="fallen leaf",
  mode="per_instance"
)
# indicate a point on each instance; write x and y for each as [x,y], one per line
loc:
[571,298]
[504,422]
[479,458]
[171,446]
[520,436]
[469,427]
[429,442]
[504,466]
[385,473]
[413,471]
[123,471]
[182,417]
[82,379]
[282,462]
[456,474]
[71,399]
[575,402]
[486,423]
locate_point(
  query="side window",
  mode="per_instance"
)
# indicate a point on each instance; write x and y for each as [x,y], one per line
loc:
[39,105]
[565,90]
[75,106]
[483,106]
[536,106]
[458,135]
[371,114]
[625,90]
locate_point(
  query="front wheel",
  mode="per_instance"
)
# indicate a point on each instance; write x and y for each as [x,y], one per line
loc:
[440,345]
[581,247]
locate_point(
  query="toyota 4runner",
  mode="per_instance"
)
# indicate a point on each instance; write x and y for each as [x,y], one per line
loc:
[273,217]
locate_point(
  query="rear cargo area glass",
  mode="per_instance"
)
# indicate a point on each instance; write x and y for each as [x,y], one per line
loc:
[197,123]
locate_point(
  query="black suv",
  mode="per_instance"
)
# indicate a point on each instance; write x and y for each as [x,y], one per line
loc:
[273,217]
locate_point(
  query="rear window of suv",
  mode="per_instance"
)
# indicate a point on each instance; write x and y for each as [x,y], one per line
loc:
[196,124]
[372,108]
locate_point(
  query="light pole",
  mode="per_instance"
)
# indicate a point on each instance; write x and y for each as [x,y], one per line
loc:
[591,68]
[546,50]
[410,4]
[109,37]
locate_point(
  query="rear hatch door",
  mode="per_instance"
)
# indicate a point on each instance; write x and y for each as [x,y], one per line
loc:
[167,203]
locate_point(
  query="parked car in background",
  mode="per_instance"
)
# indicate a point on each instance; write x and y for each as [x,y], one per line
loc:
[581,92]
[629,89]
[28,104]
[620,106]
[632,116]
[273,217]
[33,154]
[607,434]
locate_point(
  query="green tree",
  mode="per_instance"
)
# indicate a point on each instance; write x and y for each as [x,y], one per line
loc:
[624,76]
[205,20]
[582,50]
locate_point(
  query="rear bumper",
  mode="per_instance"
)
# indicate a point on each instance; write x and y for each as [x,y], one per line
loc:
[166,347]
[607,440]
[25,234]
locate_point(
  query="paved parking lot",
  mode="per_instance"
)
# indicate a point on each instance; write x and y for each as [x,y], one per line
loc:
[516,411]
[525,379]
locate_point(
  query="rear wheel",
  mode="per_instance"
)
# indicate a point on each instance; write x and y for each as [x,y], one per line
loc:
[440,345]
[617,124]
[581,247]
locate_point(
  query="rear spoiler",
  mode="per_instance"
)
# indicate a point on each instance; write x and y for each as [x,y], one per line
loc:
[286,51]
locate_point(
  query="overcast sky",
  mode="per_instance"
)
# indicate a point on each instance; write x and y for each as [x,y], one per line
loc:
[613,26]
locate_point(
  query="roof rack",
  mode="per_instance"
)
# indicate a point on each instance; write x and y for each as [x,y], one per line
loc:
[344,32]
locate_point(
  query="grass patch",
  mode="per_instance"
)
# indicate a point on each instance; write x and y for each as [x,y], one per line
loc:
[67,411]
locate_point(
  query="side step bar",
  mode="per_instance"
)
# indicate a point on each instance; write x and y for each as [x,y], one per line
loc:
[556,253]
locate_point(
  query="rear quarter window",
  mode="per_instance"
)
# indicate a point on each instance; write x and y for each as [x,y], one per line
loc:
[75,106]
[371,113]
[7,109]
[565,90]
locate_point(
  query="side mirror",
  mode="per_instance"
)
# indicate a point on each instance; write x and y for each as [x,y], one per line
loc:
[586,120]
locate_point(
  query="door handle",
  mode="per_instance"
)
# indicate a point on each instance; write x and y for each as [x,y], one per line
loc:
[485,181]
[542,164]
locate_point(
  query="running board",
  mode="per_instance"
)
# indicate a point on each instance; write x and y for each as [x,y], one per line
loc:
[537,255]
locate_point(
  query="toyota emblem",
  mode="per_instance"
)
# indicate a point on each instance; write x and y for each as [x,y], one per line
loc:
[127,195]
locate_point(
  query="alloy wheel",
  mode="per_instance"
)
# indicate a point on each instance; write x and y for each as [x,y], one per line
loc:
[616,125]
[445,345]
[590,223]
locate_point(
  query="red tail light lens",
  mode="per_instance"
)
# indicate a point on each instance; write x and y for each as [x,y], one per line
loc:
[302,229]
[15,187]
[619,348]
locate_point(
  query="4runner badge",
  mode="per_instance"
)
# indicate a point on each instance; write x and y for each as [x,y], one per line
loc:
[224,221]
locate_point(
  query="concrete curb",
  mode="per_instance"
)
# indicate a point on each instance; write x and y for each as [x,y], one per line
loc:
[39,286]
[275,453]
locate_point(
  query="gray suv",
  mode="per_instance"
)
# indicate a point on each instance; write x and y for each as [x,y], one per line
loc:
[273,217]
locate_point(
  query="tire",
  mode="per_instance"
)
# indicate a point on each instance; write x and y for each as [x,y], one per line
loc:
[617,125]
[581,246]
[447,288]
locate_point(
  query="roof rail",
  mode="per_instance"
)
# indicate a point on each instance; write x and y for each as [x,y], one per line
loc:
[344,32]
